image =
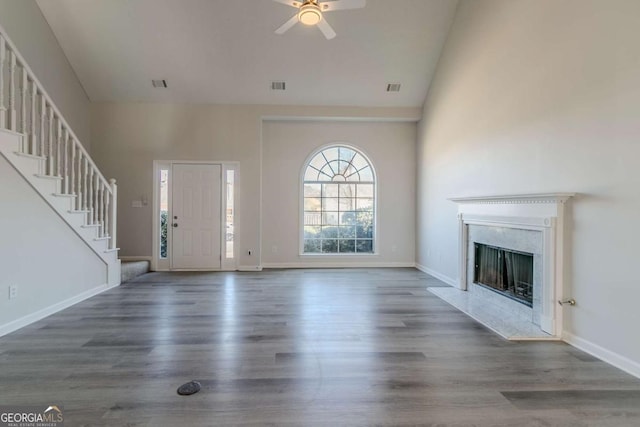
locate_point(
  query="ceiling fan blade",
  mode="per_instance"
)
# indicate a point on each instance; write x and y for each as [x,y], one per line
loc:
[287,25]
[330,6]
[291,3]
[326,29]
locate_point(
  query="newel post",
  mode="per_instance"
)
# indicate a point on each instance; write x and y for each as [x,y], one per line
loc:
[114,212]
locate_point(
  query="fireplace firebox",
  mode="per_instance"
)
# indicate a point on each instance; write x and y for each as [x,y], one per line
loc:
[505,271]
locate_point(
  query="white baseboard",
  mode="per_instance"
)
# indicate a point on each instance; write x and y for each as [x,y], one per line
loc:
[446,279]
[48,311]
[621,362]
[249,268]
[353,264]
[135,258]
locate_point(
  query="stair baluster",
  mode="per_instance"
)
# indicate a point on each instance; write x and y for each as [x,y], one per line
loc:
[84,185]
[34,92]
[23,110]
[58,147]
[114,213]
[66,160]
[43,119]
[50,142]
[73,162]
[12,91]
[3,109]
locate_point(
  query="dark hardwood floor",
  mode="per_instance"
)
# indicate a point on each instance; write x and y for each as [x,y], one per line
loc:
[303,348]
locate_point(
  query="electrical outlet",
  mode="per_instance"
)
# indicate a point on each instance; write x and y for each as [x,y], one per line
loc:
[13,291]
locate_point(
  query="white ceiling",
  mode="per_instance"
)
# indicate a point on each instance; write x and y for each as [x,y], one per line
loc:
[226,52]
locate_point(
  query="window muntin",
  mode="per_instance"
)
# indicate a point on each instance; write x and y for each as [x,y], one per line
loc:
[338,203]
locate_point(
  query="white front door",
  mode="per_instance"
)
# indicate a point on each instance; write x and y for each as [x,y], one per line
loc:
[196,216]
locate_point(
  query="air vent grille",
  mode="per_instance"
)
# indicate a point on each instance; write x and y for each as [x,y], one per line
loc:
[278,86]
[159,83]
[393,87]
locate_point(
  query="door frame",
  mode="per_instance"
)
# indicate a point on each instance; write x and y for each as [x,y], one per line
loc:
[164,264]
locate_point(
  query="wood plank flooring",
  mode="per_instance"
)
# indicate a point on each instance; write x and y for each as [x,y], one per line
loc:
[350,347]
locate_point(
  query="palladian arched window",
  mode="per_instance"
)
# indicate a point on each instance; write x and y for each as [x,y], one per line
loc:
[339,189]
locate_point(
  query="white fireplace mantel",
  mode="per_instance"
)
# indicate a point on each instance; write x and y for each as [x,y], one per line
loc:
[537,212]
[516,198]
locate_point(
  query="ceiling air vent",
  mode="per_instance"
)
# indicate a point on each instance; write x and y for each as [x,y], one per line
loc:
[159,83]
[277,86]
[393,87]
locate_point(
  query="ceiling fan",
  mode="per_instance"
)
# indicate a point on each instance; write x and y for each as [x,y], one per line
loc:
[310,13]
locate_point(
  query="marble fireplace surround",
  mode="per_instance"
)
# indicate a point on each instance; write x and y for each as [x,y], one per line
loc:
[541,213]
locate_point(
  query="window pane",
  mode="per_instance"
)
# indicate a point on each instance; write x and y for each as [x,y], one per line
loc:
[365,190]
[330,190]
[364,204]
[312,204]
[347,204]
[312,232]
[364,246]
[346,154]
[347,246]
[365,217]
[327,172]
[312,218]
[330,246]
[330,204]
[229,237]
[330,232]
[354,177]
[366,174]
[335,166]
[331,154]
[318,161]
[347,218]
[330,218]
[311,174]
[312,190]
[348,190]
[359,162]
[312,246]
[365,231]
[348,231]
[164,211]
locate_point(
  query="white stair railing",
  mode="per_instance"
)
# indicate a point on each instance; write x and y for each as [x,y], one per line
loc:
[26,108]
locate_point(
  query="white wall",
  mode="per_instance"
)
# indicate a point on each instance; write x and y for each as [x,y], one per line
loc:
[29,31]
[542,96]
[127,138]
[389,146]
[30,255]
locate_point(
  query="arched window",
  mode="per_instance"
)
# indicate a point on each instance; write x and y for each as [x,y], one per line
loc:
[339,202]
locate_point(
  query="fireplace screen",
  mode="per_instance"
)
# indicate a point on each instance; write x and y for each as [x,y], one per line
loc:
[505,271]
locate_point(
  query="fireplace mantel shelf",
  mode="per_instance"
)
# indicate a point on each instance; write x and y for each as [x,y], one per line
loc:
[515,198]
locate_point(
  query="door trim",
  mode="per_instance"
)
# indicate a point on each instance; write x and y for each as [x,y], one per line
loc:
[164,264]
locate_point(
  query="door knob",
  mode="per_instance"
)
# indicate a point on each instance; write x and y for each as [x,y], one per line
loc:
[175,225]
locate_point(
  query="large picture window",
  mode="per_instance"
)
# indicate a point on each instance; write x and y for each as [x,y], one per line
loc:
[339,203]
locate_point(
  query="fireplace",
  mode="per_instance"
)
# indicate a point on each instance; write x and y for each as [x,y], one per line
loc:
[504,271]
[521,237]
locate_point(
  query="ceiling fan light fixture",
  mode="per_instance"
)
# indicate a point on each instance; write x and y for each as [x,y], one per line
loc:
[310,14]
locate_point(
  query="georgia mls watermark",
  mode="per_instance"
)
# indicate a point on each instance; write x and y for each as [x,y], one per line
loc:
[31,416]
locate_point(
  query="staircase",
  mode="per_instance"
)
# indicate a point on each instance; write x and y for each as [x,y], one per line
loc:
[38,142]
